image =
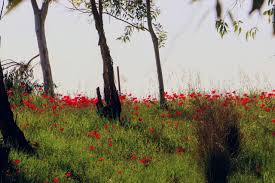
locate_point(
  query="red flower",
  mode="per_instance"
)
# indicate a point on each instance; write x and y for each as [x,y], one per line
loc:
[9,92]
[100,159]
[68,174]
[94,134]
[180,150]
[106,126]
[140,119]
[110,142]
[273,120]
[145,161]
[17,162]
[273,134]
[134,157]
[152,130]
[55,179]
[92,147]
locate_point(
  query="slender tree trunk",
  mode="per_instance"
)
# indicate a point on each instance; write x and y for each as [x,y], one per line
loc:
[154,37]
[110,92]
[12,135]
[39,17]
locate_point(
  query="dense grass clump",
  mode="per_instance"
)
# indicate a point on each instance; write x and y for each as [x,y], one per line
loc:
[181,144]
[218,134]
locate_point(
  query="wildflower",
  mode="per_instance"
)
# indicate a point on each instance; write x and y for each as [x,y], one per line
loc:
[178,113]
[110,142]
[92,147]
[273,120]
[101,159]
[152,130]
[68,174]
[140,119]
[94,134]
[55,179]
[134,157]
[273,133]
[180,150]
[145,161]
[9,92]
[106,126]
[17,162]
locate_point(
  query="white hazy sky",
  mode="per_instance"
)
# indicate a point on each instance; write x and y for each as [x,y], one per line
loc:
[194,55]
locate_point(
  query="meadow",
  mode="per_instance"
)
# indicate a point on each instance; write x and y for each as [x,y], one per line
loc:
[148,144]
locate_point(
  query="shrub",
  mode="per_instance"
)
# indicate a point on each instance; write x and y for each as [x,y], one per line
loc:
[218,134]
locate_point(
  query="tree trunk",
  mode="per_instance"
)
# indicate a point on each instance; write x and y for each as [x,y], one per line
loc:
[12,135]
[110,92]
[154,37]
[39,17]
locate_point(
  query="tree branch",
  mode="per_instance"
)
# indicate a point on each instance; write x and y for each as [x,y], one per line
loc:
[2,8]
[149,19]
[35,7]
[44,9]
[100,10]
[125,21]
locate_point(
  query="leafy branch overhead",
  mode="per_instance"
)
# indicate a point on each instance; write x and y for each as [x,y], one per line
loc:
[257,5]
[132,13]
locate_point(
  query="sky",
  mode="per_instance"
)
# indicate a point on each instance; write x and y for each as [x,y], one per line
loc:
[194,55]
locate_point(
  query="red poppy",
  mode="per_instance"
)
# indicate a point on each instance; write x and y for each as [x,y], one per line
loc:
[100,159]
[273,120]
[17,162]
[145,161]
[55,179]
[92,147]
[134,157]
[180,150]
[68,174]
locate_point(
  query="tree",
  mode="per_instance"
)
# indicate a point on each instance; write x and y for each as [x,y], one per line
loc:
[40,15]
[135,14]
[157,56]
[12,135]
[113,107]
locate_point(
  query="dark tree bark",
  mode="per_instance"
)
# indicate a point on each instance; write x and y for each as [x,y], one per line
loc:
[154,37]
[40,17]
[113,106]
[12,135]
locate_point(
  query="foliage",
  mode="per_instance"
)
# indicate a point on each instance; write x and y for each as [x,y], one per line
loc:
[132,13]
[222,22]
[19,78]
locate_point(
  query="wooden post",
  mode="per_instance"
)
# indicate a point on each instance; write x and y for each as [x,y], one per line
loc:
[118,80]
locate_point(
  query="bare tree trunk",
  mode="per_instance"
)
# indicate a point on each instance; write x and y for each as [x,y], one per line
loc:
[113,106]
[154,37]
[39,17]
[12,135]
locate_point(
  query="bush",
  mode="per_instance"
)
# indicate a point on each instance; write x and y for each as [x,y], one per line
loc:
[218,134]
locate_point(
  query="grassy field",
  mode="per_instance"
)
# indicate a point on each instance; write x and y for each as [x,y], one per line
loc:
[149,145]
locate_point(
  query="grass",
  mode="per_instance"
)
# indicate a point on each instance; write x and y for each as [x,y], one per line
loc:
[151,145]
